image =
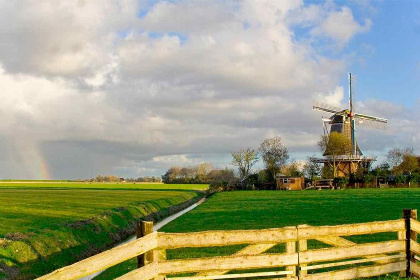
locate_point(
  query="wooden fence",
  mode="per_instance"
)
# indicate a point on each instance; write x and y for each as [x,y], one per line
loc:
[342,259]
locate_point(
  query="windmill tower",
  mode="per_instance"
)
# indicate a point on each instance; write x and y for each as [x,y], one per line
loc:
[345,121]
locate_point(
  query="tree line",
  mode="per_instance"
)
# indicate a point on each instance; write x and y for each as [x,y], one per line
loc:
[203,173]
[401,167]
[115,179]
[271,151]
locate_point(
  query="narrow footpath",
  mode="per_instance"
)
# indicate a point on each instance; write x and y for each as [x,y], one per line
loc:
[156,227]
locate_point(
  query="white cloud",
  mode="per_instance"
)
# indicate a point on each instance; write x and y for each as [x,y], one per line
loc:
[341,26]
[97,89]
[66,38]
[334,98]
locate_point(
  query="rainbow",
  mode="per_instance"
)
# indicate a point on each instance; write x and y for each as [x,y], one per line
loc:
[33,161]
[44,173]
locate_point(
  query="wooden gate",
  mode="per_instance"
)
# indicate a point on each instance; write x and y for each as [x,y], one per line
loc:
[340,257]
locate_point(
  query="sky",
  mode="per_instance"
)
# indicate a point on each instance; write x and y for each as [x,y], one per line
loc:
[131,88]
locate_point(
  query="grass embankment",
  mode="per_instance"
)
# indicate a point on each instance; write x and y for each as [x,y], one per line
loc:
[271,209]
[47,226]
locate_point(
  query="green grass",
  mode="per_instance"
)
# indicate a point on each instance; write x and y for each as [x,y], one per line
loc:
[94,185]
[272,209]
[48,225]
[32,210]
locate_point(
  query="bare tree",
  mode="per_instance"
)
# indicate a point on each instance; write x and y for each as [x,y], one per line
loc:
[312,169]
[99,178]
[244,159]
[203,169]
[335,145]
[274,155]
[395,156]
[293,169]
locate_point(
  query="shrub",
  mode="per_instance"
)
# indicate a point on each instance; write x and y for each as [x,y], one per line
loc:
[341,182]
[400,179]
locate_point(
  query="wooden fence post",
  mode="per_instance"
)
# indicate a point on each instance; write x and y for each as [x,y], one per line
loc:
[413,234]
[144,228]
[409,234]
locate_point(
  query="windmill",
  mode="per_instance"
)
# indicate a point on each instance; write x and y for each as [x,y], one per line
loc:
[344,121]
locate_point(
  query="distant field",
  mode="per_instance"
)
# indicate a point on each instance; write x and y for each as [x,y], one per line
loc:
[271,209]
[77,185]
[63,221]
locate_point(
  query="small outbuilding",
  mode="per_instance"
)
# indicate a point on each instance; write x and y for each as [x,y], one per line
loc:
[290,183]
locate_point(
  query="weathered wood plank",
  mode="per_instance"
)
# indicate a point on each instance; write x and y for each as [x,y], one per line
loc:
[415,247]
[352,229]
[221,238]
[355,251]
[228,263]
[335,241]
[159,256]
[415,225]
[415,269]
[326,265]
[358,272]
[254,249]
[104,260]
[144,228]
[144,273]
[303,246]
[233,276]
[290,249]
[341,242]
[401,236]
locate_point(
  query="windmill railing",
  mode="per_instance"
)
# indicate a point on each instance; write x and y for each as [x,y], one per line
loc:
[343,158]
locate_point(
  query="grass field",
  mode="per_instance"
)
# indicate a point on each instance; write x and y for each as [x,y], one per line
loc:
[270,209]
[45,225]
[94,185]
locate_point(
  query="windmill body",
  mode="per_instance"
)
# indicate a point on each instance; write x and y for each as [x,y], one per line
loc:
[344,122]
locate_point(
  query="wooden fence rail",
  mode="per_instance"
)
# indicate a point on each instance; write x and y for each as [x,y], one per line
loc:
[340,258]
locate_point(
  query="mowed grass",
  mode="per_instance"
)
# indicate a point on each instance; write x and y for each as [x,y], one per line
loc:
[32,210]
[272,209]
[46,225]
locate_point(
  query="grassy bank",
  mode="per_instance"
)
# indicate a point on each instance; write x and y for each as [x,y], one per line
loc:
[47,226]
[271,209]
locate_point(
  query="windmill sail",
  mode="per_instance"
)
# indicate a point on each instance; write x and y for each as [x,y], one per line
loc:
[326,107]
[370,121]
[366,117]
[344,122]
